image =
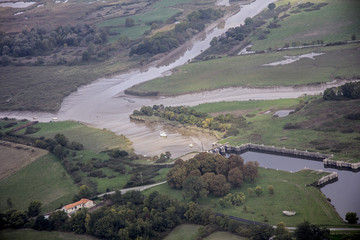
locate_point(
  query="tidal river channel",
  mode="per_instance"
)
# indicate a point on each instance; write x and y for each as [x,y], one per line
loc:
[103,104]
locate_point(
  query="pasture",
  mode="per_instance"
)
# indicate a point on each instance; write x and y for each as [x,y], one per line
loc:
[335,22]
[43,180]
[249,71]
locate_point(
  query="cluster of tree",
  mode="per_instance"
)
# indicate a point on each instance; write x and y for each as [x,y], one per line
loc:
[59,146]
[39,41]
[234,199]
[349,90]
[185,115]
[166,41]
[207,173]
[136,216]
[236,34]
[16,218]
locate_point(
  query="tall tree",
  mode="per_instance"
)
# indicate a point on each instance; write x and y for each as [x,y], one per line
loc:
[351,217]
[34,208]
[235,177]
[195,188]
[251,170]
[236,161]
[307,231]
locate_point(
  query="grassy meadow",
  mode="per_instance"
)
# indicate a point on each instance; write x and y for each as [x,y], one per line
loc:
[44,180]
[93,139]
[160,12]
[290,194]
[190,232]
[248,71]
[334,22]
[29,234]
[322,125]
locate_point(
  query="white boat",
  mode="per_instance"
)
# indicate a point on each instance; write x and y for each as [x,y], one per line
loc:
[191,145]
[289,213]
[55,118]
[163,134]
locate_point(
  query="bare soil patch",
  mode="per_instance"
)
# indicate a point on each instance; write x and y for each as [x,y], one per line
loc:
[14,156]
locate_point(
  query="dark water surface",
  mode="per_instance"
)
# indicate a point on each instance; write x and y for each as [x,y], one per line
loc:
[344,193]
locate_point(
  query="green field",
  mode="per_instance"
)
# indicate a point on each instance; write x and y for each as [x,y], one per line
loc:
[160,12]
[93,139]
[248,71]
[290,194]
[184,231]
[190,232]
[332,23]
[322,126]
[43,180]
[30,234]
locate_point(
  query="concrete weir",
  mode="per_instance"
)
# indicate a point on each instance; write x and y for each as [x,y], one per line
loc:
[325,158]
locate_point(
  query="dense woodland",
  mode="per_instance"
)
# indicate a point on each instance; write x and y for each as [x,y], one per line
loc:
[210,174]
[40,42]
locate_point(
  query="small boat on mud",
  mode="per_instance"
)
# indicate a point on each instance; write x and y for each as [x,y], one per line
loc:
[163,134]
[289,213]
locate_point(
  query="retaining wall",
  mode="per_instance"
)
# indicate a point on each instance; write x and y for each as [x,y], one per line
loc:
[326,179]
[325,158]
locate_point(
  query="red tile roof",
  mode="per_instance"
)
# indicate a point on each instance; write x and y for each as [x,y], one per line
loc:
[82,201]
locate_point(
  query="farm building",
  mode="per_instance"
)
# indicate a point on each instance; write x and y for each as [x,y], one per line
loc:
[73,207]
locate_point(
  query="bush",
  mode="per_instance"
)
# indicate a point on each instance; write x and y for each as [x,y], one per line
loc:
[31,130]
[291,126]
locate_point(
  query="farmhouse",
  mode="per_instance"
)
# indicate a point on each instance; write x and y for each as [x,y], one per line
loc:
[73,207]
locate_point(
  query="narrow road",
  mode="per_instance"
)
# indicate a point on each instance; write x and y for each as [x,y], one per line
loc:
[140,188]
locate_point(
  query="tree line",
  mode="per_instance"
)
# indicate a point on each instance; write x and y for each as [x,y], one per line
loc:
[39,41]
[347,91]
[224,123]
[166,41]
[210,174]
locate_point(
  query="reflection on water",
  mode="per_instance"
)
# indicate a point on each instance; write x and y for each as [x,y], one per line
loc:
[344,193]
[283,113]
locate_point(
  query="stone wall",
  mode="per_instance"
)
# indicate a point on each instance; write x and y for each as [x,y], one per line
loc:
[284,151]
